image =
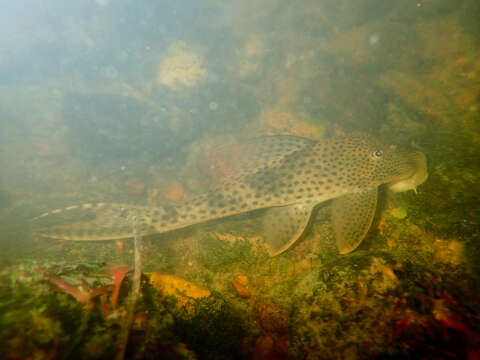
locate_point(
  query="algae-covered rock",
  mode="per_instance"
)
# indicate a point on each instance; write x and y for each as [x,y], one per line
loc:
[181,67]
[399,212]
[175,286]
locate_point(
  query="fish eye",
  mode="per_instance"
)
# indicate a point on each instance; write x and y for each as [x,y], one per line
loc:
[377,154]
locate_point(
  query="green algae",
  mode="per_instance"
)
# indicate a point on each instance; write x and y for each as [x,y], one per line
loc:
[220,256]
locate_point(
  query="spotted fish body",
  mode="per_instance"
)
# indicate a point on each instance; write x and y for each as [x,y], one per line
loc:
[287,175]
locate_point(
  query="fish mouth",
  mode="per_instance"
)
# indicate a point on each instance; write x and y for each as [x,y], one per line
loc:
[419,175]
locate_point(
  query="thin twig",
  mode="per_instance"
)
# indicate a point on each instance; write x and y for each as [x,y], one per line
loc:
[134,293]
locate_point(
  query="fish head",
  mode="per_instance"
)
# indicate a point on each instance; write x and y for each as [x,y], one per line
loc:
[418,177]
[373,163]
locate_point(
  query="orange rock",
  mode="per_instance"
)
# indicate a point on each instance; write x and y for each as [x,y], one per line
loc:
[174,191]
[241,290]
[242,279]
[182,289]
[135,187]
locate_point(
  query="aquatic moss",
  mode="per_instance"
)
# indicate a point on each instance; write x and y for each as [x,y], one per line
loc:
[388,308]
[33,318]
[37,317]
[469,18]
[220,256]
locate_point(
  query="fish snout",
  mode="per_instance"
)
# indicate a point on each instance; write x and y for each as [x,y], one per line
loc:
[419,174]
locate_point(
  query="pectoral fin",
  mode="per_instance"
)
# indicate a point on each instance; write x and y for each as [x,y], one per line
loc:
[352,215]
[284,225]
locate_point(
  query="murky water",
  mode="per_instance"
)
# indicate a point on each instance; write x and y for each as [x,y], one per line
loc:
[149,105]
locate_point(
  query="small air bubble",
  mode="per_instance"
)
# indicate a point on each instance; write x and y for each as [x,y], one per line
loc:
[373,40]
[110,72]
